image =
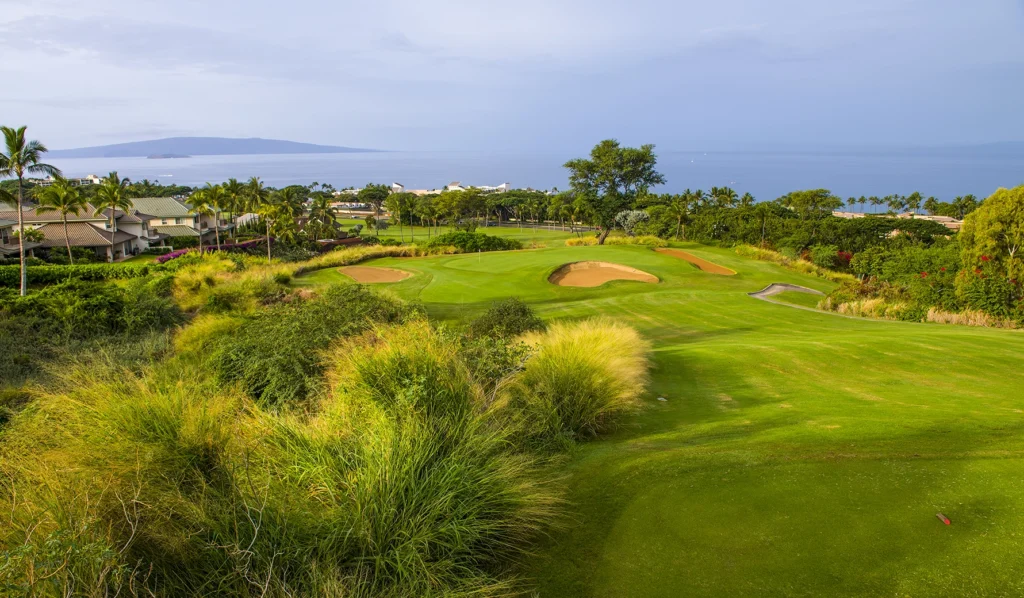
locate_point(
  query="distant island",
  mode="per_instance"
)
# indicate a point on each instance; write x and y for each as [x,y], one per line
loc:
[183,147]
[167,156]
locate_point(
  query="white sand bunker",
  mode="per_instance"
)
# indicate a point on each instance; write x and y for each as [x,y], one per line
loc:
[595,274]
[369,275]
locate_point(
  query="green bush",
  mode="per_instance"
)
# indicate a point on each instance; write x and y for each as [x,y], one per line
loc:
[825,256]
[506,318]
[467,242]
[10,276]
[276,355]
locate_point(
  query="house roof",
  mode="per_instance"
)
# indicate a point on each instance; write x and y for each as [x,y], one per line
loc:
[13,249]
[6,223]
[176,230]
[161,207]
[81,234]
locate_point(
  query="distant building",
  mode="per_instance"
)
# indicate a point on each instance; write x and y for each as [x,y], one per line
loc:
[951,223]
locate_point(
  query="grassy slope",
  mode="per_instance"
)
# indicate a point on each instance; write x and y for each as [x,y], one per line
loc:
[798,298]
[798,453]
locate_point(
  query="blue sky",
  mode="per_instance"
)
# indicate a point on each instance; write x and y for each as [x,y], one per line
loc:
[519,75]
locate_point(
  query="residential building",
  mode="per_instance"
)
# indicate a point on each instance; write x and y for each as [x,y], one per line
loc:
[90,230]
[169,217]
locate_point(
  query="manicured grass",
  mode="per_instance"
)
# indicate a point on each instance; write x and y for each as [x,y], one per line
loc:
[528,234]
[140,259]
[798,298]
[797,453]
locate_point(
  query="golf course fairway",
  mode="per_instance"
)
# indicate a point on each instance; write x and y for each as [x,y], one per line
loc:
[796,453]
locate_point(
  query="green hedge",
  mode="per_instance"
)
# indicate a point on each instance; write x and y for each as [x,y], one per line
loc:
[467,242]
[10,276]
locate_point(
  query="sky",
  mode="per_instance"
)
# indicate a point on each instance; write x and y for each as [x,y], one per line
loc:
[523,75]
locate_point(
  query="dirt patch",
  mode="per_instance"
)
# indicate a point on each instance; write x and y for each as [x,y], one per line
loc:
[370,275]
[595,274]
[706,266]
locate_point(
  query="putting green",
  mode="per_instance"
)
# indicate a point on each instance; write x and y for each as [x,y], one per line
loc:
[798,453]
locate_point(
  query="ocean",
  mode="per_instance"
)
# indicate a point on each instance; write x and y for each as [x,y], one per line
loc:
[765,175]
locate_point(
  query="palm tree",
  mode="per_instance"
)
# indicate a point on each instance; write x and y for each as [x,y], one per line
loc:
[200,202]
[216,199]
[322,212]
[679,206]
[234,200]
[113,195]
[19,158]
[62,197]
[257,197]
[747,200]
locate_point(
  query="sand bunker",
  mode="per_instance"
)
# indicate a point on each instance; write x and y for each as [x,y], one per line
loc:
[706,266]
[369,275]
[595,274]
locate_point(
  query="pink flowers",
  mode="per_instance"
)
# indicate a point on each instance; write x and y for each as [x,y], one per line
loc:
[985,258]
[943,268]
[924,275]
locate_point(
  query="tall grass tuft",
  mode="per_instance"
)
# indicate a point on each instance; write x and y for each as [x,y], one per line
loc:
[582,376]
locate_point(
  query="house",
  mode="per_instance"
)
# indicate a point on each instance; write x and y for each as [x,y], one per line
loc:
[89,229]
[951,223]
[169,217]
[9,243]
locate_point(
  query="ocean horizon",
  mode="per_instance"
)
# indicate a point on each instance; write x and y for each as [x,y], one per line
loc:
[766,175]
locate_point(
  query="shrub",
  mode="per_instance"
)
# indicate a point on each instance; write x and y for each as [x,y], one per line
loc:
[825,256]
[649,240]
[157,250]
[10,276]
[276,355]
[467,242]
[581,241]
[506,318]
[581,377]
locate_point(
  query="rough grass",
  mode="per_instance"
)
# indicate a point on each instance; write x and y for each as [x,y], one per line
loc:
[580,379]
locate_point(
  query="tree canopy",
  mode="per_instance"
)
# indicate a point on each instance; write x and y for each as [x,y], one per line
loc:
[612,178]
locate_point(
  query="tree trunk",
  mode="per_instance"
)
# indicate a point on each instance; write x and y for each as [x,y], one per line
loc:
[603,235]
[113,224]
[401,229]
[268,240]
[21,239]
[216,228]
[679,226]
[67,240]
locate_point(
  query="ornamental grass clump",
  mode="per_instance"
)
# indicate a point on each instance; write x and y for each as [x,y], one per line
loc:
[580,379]
[276,355]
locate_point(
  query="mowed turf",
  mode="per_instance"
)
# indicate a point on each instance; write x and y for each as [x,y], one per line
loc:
[798,453]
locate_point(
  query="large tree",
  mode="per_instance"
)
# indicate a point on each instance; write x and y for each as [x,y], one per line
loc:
[18,158]
[612,178]
[995,233]
[374,196]
[113,195]
[62,197]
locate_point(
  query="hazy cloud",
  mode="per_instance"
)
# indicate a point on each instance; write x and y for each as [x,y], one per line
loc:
[532,73]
